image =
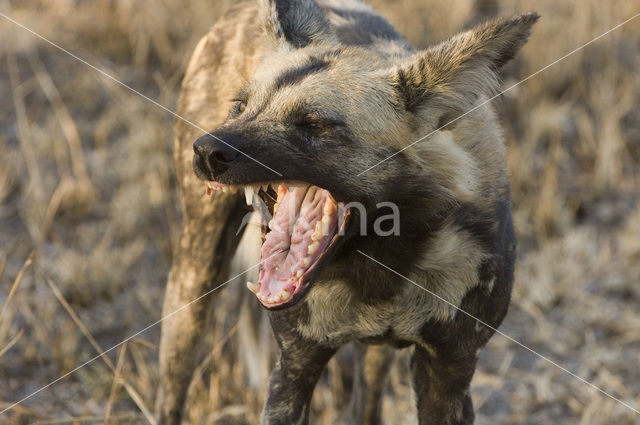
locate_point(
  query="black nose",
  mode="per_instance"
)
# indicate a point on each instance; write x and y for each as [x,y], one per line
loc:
[213,156]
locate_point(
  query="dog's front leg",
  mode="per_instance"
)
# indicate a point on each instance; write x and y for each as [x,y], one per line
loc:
[441,383]
[291,384]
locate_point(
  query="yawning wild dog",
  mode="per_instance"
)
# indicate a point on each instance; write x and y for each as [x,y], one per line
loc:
[321,93]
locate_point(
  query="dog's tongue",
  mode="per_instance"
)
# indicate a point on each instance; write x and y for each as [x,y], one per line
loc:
[304,222]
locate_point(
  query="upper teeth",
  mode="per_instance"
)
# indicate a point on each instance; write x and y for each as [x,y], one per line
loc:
[249,191]
[248,195]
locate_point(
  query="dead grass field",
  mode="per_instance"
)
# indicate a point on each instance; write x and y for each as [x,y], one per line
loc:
[86,182]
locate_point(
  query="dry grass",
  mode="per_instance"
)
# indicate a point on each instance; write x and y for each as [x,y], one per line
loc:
[85,180]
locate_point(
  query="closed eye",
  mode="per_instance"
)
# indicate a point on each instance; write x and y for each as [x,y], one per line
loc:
[313,120]
[314,123]
[307,123]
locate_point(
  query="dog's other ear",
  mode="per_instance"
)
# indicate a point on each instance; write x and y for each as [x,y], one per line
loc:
[454,74]
[296,23]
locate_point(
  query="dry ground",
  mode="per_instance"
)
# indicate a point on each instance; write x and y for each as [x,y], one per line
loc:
[86,180]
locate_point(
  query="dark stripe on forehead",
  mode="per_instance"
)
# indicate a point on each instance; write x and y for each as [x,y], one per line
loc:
[295,75]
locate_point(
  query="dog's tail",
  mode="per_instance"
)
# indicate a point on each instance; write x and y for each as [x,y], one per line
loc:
[256,346]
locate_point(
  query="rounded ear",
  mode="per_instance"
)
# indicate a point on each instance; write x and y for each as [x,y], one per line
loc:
[456,72]
[296,23]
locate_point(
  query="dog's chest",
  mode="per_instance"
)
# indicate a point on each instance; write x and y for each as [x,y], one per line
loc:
[336,317]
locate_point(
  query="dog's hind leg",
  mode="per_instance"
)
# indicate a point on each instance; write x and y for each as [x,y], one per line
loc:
[370,377]
[441,384]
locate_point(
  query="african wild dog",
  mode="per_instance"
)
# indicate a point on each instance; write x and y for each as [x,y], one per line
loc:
[322,91]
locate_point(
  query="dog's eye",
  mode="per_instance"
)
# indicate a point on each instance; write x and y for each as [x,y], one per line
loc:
[308,122]
[240,106]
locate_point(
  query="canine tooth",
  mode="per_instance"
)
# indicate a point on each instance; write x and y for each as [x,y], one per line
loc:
[299,273]
[253,286]
[248,195]
[313,247]
[284,295]
[290,187]
[225,189]
[306,261]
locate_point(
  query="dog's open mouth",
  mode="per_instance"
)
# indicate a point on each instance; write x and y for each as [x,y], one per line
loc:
[301,223]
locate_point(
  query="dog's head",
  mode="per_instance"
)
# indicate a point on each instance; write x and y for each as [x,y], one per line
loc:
[317,112]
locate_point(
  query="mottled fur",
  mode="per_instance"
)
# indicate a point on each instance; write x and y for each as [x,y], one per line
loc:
[332,89]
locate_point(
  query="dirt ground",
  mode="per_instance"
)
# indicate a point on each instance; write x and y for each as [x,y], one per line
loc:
[86,184]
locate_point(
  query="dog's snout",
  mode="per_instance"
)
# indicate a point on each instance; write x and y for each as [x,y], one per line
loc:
[213,155]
